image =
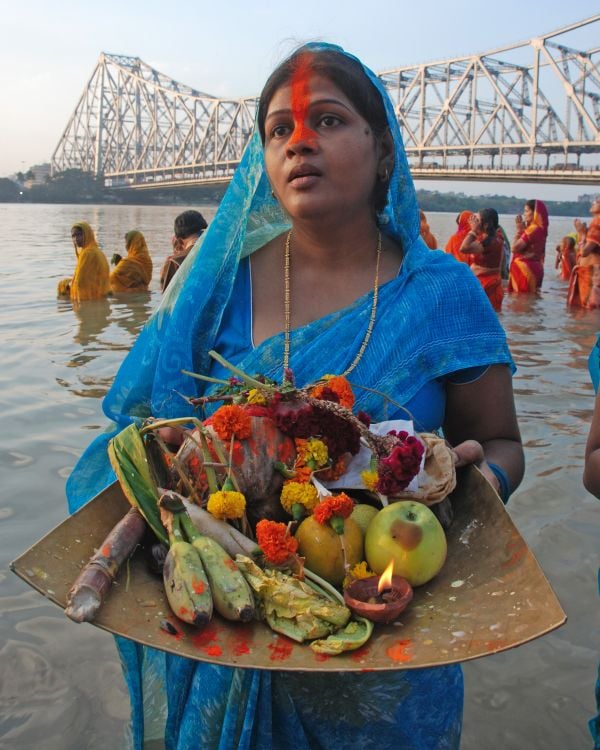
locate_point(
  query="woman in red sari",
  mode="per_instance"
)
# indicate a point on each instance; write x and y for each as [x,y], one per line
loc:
[455,242]
[565,257]
[484,244]
[529,249]
[426,232]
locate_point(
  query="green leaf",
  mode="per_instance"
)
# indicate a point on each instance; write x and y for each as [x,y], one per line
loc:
[129,460]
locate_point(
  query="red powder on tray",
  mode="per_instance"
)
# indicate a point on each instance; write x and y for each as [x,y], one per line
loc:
[398,652]
[281,649]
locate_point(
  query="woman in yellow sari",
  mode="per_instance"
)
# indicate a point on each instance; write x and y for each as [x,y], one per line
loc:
[133,273]
[90,280]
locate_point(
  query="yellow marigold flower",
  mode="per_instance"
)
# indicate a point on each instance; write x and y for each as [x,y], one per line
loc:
[370,479]
[316,451]
[256,397]
[360,570]
[301,493]
[226,504]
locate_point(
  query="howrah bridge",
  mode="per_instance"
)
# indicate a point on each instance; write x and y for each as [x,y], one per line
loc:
[525,112]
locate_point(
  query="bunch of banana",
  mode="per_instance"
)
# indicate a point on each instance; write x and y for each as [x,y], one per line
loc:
[199,574]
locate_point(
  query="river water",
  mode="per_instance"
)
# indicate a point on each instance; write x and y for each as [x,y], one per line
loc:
[60,683]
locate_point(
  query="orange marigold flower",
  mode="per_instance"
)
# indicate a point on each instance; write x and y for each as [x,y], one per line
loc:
[336,386]
[231,420]
[275,541]
[335,505]
[333,472]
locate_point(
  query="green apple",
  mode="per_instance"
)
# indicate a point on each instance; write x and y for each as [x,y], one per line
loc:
[408,533]
[363,514]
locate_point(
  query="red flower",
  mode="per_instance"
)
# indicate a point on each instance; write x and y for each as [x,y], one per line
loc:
[335,505]
[401,466]
[275,541]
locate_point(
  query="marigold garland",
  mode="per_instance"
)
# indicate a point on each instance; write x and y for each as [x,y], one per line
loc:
[226,504]
[275,541]
[334,472]
[301,493]
[334,505]
[231,420]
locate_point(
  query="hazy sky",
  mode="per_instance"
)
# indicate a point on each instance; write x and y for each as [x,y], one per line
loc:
[48,51]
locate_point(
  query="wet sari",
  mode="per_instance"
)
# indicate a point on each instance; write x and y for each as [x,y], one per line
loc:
[527,267]
[432,320]
[455,242]
[133,273]
[584,284]
[91,277]
[487,267]
[426,232]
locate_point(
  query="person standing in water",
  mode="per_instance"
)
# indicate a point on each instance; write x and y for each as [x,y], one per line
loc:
[91,277]
[187,227]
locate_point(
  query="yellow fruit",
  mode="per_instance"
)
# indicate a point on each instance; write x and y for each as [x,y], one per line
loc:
[363,514]
[322,548]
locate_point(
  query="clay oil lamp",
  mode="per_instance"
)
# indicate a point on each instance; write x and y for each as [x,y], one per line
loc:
[379,598]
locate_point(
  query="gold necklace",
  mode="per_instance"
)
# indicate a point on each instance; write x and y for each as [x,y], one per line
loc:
[287,307]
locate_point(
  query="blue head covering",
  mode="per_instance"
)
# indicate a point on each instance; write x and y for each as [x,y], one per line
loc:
[185,326]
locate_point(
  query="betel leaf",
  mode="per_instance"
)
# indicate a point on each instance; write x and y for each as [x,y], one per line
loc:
[127,455]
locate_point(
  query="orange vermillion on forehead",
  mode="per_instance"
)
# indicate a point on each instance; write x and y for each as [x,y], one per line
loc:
[300,101]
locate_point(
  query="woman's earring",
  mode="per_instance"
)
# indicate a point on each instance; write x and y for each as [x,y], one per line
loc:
[385,177]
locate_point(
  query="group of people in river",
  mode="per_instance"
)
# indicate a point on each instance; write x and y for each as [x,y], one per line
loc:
[93,279]
[481,243]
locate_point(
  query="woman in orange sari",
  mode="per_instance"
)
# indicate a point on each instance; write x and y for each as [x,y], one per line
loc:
[133,273]
[90,280]
[529,249]
[426,233]
[584,287]
[483,243]
[455,242]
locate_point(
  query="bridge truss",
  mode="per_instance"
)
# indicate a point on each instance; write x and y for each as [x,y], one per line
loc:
[530,112]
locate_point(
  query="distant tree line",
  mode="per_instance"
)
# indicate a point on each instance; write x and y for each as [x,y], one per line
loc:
[76,186]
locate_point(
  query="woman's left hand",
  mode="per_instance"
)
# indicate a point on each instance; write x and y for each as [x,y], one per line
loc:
[471,452]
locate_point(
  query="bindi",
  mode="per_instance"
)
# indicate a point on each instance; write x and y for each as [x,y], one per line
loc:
[300,101]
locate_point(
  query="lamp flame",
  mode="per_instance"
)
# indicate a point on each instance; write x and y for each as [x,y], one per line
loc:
[385,580]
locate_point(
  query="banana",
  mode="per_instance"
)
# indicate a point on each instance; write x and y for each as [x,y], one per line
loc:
[186,584]
[232,596]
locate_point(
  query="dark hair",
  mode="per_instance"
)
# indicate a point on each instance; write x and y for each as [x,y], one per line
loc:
[489,224]
[530,204]
[188,223]
[570,241]
[350,78]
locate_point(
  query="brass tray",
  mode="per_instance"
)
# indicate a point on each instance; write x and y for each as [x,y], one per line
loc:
[490,596]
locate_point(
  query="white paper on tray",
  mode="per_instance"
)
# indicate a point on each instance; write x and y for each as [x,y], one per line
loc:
[351,478]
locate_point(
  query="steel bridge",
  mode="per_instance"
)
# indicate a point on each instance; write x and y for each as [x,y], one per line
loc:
[525,112]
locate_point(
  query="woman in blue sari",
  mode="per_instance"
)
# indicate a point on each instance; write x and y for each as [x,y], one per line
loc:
[314,262]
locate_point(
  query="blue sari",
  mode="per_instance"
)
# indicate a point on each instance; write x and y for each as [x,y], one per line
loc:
[433,320]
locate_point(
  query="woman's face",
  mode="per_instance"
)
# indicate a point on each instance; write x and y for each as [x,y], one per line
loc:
[321,156]
[77,236]
[528,214]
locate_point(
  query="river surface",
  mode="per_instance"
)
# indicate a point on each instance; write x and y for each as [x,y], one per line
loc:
[60,683]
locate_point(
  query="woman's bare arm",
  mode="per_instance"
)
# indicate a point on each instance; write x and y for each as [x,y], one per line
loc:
[481,425]
[591,471]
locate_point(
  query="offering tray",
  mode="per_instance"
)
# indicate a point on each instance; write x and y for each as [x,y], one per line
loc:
[490,596]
